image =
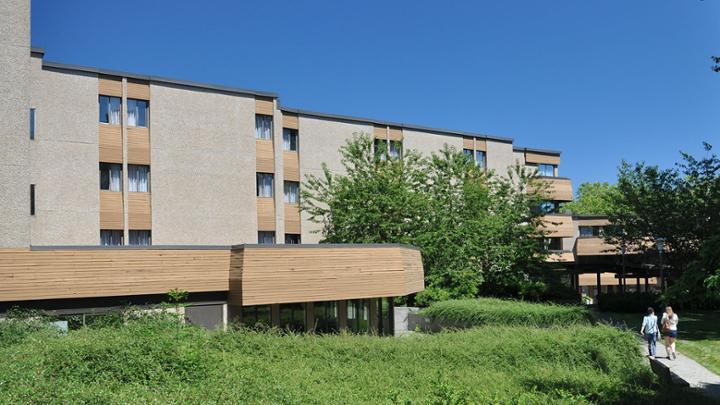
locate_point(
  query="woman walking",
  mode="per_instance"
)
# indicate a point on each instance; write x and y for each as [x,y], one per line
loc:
[669,328]
[649,330]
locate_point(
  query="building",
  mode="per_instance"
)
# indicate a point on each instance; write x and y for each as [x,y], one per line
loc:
[117,187]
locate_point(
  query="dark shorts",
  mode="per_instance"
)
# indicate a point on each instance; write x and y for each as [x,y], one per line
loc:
[671,333]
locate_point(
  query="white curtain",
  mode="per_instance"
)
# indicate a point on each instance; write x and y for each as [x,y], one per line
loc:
[263,127]
[111,238]
[114,111]
[132,113]
[291,192]
[115,178]
[395,149]
[266,238]
[138,177]
[140,238]
[480,158]
[289,139]
[264,185]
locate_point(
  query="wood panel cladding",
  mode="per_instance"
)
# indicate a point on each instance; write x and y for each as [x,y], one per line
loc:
[138,90]
[594,247]
[593,222]
[266,213]
[560,257]
[80,273]
[380,132]
[292,218]
[396,134]
[110,141]
[470,142]
[139,211]
[557,189]
[531,157]
[558,226]
[302,274]
[481,144]
[138,145]
[590,280]
[264,106]
[291,121]
[291,166]
[264,156]
[111,210]
[110,86]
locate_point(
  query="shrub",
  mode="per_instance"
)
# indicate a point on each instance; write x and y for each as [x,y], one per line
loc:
[493,311]
[636,302]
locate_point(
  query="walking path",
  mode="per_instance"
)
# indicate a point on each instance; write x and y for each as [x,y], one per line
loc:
[686,371]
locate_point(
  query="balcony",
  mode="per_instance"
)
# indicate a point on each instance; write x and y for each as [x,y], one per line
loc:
[594,247]
[558,226]
[560,256]
[558,188]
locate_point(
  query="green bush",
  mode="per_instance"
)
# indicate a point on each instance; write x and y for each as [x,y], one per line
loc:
[493,311]
[636,302]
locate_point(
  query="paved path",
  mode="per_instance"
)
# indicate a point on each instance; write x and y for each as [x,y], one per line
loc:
[686,371]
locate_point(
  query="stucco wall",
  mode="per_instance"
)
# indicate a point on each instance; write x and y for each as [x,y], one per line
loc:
[14,116]
[427,142]
[202,167]
[64,157]
[499,156]
[319,140]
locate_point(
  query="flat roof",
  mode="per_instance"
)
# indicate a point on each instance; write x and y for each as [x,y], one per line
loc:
[223,247]
[536,150]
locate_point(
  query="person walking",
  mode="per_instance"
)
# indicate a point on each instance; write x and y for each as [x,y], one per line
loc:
[649,330]
[669,323]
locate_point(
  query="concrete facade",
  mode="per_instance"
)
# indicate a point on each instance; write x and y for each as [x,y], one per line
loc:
[499,156]
[429,142]
[14,115]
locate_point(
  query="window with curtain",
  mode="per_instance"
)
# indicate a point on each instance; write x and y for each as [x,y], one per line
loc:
[480,158]
[290,139]
[395,151]
[292,239]
[264,184]
[468,154]
[137,112]
[263,126]
[111,176]
[266,238]
[110,111]
[546,170]
[292,190]
[139,178]
[139,238]
[380,148]
[111,238]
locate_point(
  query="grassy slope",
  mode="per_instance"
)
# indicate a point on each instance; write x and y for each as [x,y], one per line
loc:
[151,363]
[699,334]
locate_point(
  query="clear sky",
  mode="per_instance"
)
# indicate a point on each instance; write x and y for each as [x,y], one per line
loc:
[600,80]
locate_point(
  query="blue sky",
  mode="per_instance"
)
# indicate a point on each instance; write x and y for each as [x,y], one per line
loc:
[600,80]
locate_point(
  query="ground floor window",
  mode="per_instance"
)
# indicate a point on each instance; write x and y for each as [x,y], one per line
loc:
[111,237]
[326,317]
[256,315]
[266,237]
[139,238]
[358,319]
[292,239]
[292,317]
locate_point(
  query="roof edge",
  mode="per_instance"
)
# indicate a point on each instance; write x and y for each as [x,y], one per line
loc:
[537,150]
[37,50]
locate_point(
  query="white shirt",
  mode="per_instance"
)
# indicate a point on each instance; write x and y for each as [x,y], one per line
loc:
[671,322]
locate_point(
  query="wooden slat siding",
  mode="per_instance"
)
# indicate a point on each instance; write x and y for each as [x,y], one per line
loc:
[235,277]
[139,211]
[481,144]
[413,268]
[138,145]
[264,156]
[110,141]
[264,106]
[55,274]
[300,274]
[396,134]
[138,90]
[110,86]
[266,214]
[380,132]
[531,157]
[468,142]
[558,226]
[557,189]
[111,210]
[593,222]
[291,166]
[560,257]
[590,280]
[292,218]
[291,121]
[594,247]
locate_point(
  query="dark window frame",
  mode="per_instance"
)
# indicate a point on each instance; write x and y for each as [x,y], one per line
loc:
[32,199]
[292,134]
[32,123]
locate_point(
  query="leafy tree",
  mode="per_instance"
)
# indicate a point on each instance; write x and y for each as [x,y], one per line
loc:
[716,60]
[475,229]
[595,198]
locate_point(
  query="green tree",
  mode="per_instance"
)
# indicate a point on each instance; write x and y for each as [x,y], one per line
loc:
[475,230]
[595,198]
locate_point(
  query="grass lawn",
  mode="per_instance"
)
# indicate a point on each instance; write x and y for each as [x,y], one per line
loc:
[698,338]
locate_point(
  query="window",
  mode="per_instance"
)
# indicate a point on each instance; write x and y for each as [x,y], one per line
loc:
[110,110]
[140,238]
[266,238]
[110,176]
[111,238]
[138,178]
[32,123]
[292,239]
[326,317]
[549,207]
[137,112]
[469,154]
[290,139]
[552,243]
[380,148]
[480,158]
[546,170]
[263,127]
[292,317]
[264,184]
[256,315]
[32,199]
[591,231]
[292,192]
[358,315]
[395,150]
